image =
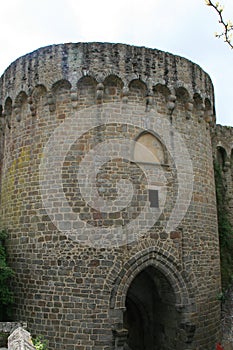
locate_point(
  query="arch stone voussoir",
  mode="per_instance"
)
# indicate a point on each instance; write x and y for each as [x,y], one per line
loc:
[182,288]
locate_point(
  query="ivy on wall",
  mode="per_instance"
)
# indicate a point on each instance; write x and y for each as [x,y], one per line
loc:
[225,229]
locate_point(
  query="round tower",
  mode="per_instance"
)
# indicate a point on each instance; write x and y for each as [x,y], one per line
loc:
[107,193]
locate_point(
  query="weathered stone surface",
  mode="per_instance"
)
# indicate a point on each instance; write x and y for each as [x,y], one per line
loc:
[72,291]
[6,328]
[20,339]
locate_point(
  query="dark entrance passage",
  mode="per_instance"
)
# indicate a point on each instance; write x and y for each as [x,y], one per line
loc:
[151,317]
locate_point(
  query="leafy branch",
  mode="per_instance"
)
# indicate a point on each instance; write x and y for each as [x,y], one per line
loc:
[226,34]
[40,343]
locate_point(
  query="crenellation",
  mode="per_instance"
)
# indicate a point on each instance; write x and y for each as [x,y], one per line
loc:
[103,92]
[42,61]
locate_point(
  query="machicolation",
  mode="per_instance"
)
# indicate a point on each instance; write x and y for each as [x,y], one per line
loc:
[108,195]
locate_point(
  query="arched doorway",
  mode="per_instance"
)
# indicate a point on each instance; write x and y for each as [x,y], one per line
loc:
[151,318]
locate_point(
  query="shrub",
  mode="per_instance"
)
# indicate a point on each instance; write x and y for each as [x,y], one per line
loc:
[40,343]
[6,273]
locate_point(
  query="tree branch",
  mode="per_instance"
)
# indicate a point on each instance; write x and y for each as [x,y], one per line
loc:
[227,25]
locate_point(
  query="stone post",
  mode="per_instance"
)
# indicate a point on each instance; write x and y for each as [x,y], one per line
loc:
[20,339]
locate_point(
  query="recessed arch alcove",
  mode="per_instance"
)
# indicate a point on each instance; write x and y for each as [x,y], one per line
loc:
[197,104]
[61,87]
[39,92]
[137,91]
[161,93]
[153,303]
[148,148]
[221,156]
[113,86]
[8,111]
[87,90]
[151,317]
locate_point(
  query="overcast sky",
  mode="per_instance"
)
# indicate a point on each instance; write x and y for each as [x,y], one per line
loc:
[182,27]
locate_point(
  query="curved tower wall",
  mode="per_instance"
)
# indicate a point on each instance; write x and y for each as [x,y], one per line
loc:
[63,101]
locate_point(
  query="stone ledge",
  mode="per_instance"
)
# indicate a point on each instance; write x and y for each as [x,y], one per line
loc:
[6,328]
[9,327]
[20,339]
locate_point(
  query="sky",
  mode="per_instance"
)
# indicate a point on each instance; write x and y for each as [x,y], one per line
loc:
[181,27]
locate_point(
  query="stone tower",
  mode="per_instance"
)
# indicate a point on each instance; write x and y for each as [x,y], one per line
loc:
[107,192]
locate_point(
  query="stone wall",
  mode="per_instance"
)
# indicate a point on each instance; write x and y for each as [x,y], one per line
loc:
[222,138]
[83,240]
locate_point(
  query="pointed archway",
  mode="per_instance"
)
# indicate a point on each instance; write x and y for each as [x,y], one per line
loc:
[151,316]
[152,303]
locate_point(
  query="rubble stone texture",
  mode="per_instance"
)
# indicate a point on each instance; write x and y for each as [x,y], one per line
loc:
[153,289]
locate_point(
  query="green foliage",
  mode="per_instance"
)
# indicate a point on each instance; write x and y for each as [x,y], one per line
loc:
[6,273]
[40,343]
[225,229]
[227,26]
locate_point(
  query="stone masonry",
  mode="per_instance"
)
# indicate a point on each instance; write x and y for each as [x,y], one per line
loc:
[108,195]
[222,139]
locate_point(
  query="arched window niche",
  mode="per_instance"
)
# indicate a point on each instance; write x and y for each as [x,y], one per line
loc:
[149,149]
[221,156]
